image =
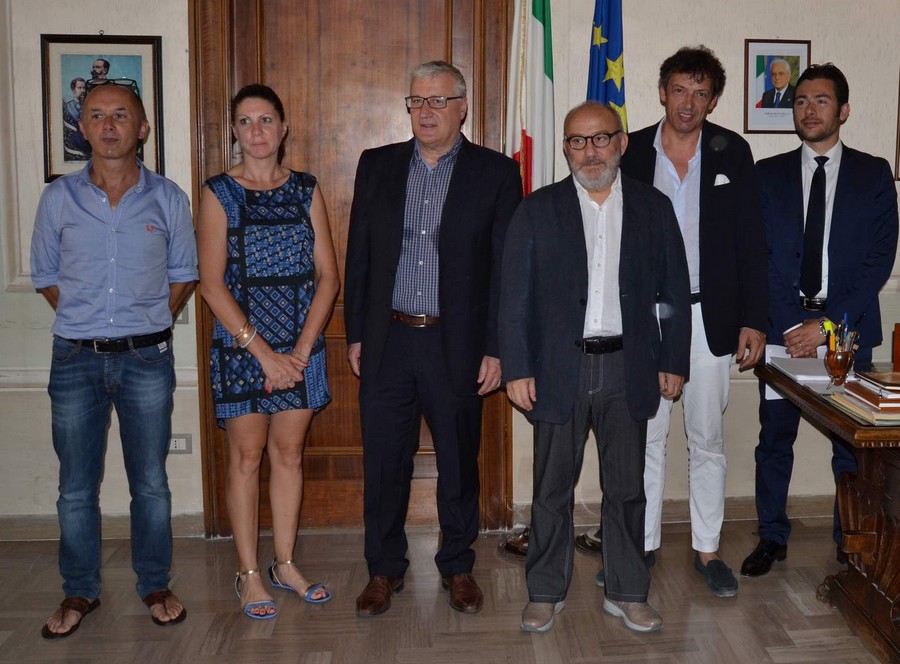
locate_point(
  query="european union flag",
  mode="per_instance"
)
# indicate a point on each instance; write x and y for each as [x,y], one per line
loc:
[606,76]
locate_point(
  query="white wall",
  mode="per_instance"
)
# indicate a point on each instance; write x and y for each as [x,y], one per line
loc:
[28,474]
[861,42]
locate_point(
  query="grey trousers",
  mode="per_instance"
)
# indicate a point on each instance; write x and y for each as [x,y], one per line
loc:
[600,405]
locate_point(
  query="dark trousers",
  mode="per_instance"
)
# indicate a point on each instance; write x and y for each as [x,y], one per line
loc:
[413,382]
[600,405]
[779,421]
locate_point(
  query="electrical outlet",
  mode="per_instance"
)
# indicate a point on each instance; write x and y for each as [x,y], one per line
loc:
[180,443]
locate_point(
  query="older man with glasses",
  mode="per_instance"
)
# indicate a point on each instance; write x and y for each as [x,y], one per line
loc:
[422,285]
[582,350]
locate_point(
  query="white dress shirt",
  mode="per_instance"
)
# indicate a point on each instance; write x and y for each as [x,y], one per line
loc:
[603,240]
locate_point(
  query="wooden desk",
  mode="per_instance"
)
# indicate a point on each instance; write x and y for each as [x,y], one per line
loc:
[868,592]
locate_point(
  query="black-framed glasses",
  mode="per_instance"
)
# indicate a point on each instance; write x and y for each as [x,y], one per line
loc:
[438,101]
[600,140]
[129,83]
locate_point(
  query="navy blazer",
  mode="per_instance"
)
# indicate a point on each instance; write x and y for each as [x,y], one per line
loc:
[733,287]
[484,190]
[861,246]
[545,288]
[786,101]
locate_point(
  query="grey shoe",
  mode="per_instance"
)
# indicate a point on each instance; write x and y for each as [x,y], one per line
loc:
[639,616]
[718,577]
[538,616]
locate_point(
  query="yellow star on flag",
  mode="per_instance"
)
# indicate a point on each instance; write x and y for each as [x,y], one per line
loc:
[615,71]
[598,37]
[622,112]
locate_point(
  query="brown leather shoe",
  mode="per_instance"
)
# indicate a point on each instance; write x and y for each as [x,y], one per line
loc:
[465,595]
[376,596]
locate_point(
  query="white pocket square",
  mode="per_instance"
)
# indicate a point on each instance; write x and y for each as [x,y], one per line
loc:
[721,178]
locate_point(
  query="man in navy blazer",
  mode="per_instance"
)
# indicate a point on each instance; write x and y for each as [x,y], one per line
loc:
[586,261]
[707,172]
[422,288]
[856,258]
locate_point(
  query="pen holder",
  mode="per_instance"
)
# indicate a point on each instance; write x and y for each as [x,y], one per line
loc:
[837,364]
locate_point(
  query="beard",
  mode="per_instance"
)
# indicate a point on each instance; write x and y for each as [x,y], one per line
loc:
[597,181]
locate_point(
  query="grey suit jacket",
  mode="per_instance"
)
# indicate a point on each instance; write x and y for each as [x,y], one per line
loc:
[543,297]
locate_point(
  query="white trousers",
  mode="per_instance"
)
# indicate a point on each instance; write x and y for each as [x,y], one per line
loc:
[705,398]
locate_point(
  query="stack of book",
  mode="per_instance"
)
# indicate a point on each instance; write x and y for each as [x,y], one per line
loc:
[874,397]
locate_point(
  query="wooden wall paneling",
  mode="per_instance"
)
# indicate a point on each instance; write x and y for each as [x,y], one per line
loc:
[341,68]
[209,28]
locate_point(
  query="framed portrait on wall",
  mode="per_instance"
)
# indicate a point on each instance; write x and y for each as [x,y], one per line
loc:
[71,65]
[771,70]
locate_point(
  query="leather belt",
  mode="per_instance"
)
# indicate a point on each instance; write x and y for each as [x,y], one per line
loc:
[421,320]
[125,343]
[601,345]
[695,298]
[813,303]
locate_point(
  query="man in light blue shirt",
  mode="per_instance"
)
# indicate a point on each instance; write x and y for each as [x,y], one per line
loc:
[114,254]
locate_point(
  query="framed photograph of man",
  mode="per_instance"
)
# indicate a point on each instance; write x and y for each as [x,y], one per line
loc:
[71,65]
[771,70]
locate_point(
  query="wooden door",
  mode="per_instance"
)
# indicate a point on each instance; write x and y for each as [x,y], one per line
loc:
[342,69]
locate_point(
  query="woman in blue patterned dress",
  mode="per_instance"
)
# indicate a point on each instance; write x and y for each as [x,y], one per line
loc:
[268,272]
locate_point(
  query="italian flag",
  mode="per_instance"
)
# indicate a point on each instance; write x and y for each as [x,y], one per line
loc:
[529,112]
[760,79]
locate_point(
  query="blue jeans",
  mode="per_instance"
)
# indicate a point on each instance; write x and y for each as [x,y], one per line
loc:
[83,385]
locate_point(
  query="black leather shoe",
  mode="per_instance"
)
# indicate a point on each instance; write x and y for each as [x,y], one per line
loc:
[760,561]
[840,556]
[590,543]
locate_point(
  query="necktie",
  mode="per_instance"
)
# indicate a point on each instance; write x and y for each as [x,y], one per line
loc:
[777,98]
[814,235]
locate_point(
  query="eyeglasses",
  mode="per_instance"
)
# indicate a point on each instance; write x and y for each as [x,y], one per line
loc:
[600,140]
[438,101]
[129,83]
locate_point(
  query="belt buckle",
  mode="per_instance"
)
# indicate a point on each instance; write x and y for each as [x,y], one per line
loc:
[94,343]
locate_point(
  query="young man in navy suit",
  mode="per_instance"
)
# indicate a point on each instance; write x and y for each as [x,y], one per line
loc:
[707,172]
[814,277]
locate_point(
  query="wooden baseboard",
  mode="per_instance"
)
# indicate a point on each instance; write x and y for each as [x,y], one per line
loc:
[678,511]
[45,527]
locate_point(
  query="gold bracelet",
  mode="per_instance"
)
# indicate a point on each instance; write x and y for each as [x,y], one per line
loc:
[251,338]
[300,356]
[242,335]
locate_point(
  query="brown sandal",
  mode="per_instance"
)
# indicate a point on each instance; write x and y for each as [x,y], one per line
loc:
[80,605]
[161,597]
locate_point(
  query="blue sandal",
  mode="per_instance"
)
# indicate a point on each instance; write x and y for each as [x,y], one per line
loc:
[268,607]
[309,595]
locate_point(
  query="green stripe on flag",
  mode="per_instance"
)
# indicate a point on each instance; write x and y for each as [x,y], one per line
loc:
[540,9]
